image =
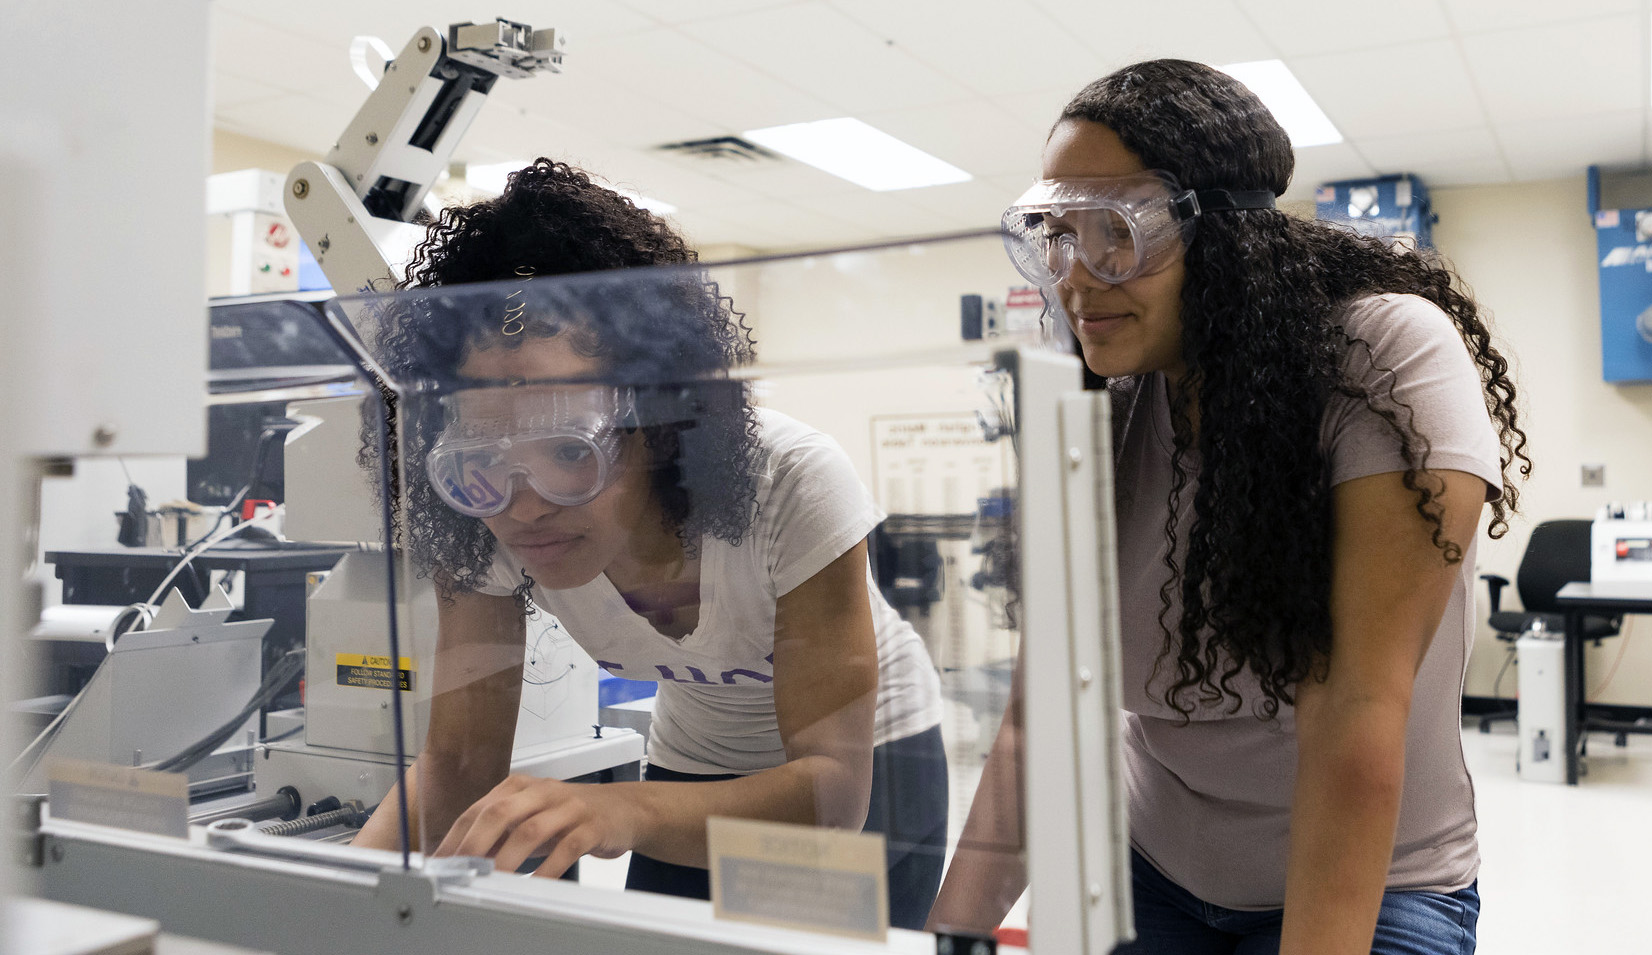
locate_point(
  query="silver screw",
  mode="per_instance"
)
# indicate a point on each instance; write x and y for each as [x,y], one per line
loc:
[301,188]
[424,44]
[372,139]
[1095,892]
[1085,677]
[104,435]
[1075,457]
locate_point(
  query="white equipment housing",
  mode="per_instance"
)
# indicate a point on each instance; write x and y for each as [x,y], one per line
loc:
[1620,550]
[1542,716]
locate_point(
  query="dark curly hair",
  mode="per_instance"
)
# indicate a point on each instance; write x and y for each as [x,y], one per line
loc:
[1265,356]
[668,334]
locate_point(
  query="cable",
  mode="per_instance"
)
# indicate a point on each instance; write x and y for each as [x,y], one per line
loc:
[1497,684]
[285,669]
[1623,644]
[206,543]
[258,453]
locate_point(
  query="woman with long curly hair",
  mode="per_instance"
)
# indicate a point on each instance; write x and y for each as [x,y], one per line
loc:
[1308,424]
[579,447]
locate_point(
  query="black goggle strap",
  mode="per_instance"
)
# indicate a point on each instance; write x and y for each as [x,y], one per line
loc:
[1190,204]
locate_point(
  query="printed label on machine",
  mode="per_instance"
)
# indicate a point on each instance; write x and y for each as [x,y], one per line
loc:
[374,673]
[122,796]
[775,873]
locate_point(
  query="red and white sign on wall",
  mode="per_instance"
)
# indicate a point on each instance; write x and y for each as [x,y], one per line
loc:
[1023,309]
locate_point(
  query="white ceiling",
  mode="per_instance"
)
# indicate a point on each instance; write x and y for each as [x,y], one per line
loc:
[1456,91]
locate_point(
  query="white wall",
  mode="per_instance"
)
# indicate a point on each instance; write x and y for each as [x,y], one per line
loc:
[1528,252]
[854,312]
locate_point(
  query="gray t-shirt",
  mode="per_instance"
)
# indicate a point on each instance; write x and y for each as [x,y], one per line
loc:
[1210,800]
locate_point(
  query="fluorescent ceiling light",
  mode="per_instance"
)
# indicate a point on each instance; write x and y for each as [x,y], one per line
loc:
[852,150]
[1280,91]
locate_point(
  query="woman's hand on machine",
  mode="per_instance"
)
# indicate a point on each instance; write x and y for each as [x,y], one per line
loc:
[524,817]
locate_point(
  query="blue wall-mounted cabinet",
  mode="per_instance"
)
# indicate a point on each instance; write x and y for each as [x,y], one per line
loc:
[1389,207]
[1623,243]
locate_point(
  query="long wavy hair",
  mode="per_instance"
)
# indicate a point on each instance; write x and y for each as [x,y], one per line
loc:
[1265,356]
[670,336]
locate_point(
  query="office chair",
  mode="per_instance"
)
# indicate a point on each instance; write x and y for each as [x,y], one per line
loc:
[1556,555]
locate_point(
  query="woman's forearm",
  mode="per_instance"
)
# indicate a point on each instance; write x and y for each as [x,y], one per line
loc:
[1350,774]
[476,692]
[811,790]
[989,870]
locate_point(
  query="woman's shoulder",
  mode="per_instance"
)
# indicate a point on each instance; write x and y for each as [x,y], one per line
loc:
[1389,315]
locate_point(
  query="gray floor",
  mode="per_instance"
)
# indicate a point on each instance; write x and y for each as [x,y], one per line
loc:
[1564,869]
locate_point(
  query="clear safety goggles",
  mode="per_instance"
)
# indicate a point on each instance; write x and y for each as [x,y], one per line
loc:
[1118,227]
[564,443]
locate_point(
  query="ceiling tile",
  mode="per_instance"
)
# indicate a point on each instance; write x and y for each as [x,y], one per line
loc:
[229,90]
[887,214]
[1450,157]
[687,11]
[1209,31]
[966,42]
[396,22]
[1454,158]
[1313,27]
[1416,87]
[1040,108]
[686,75]
[1319,164]
[975,135]
[792,226]
[620,115]
[308,123]
[1565,147]
[969,205]
[701,229]
[812,46]
[1480,16]
[682,187]
[255,50]
[1561,70]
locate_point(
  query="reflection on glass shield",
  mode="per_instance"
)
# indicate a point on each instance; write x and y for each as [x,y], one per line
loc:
[606,446]
[1117,228]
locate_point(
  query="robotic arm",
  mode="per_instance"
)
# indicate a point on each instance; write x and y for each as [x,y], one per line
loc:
[355,209]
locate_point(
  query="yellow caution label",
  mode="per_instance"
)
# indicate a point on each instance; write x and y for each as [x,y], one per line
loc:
[374,672]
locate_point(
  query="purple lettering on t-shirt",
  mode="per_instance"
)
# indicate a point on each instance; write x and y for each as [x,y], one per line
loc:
[610,667]
[695,674]
[729,675]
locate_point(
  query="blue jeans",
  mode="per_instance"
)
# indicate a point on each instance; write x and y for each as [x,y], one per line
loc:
[1173,921]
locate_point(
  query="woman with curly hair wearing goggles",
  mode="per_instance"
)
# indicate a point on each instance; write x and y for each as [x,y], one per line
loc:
[581,445]
[1308,425]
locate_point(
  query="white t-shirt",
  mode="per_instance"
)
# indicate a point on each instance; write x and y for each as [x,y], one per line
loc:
[715,709]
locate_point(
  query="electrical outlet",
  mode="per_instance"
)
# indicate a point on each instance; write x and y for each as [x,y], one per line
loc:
[1594,475]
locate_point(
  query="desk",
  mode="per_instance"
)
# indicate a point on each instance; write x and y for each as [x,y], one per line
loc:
[1578,600]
